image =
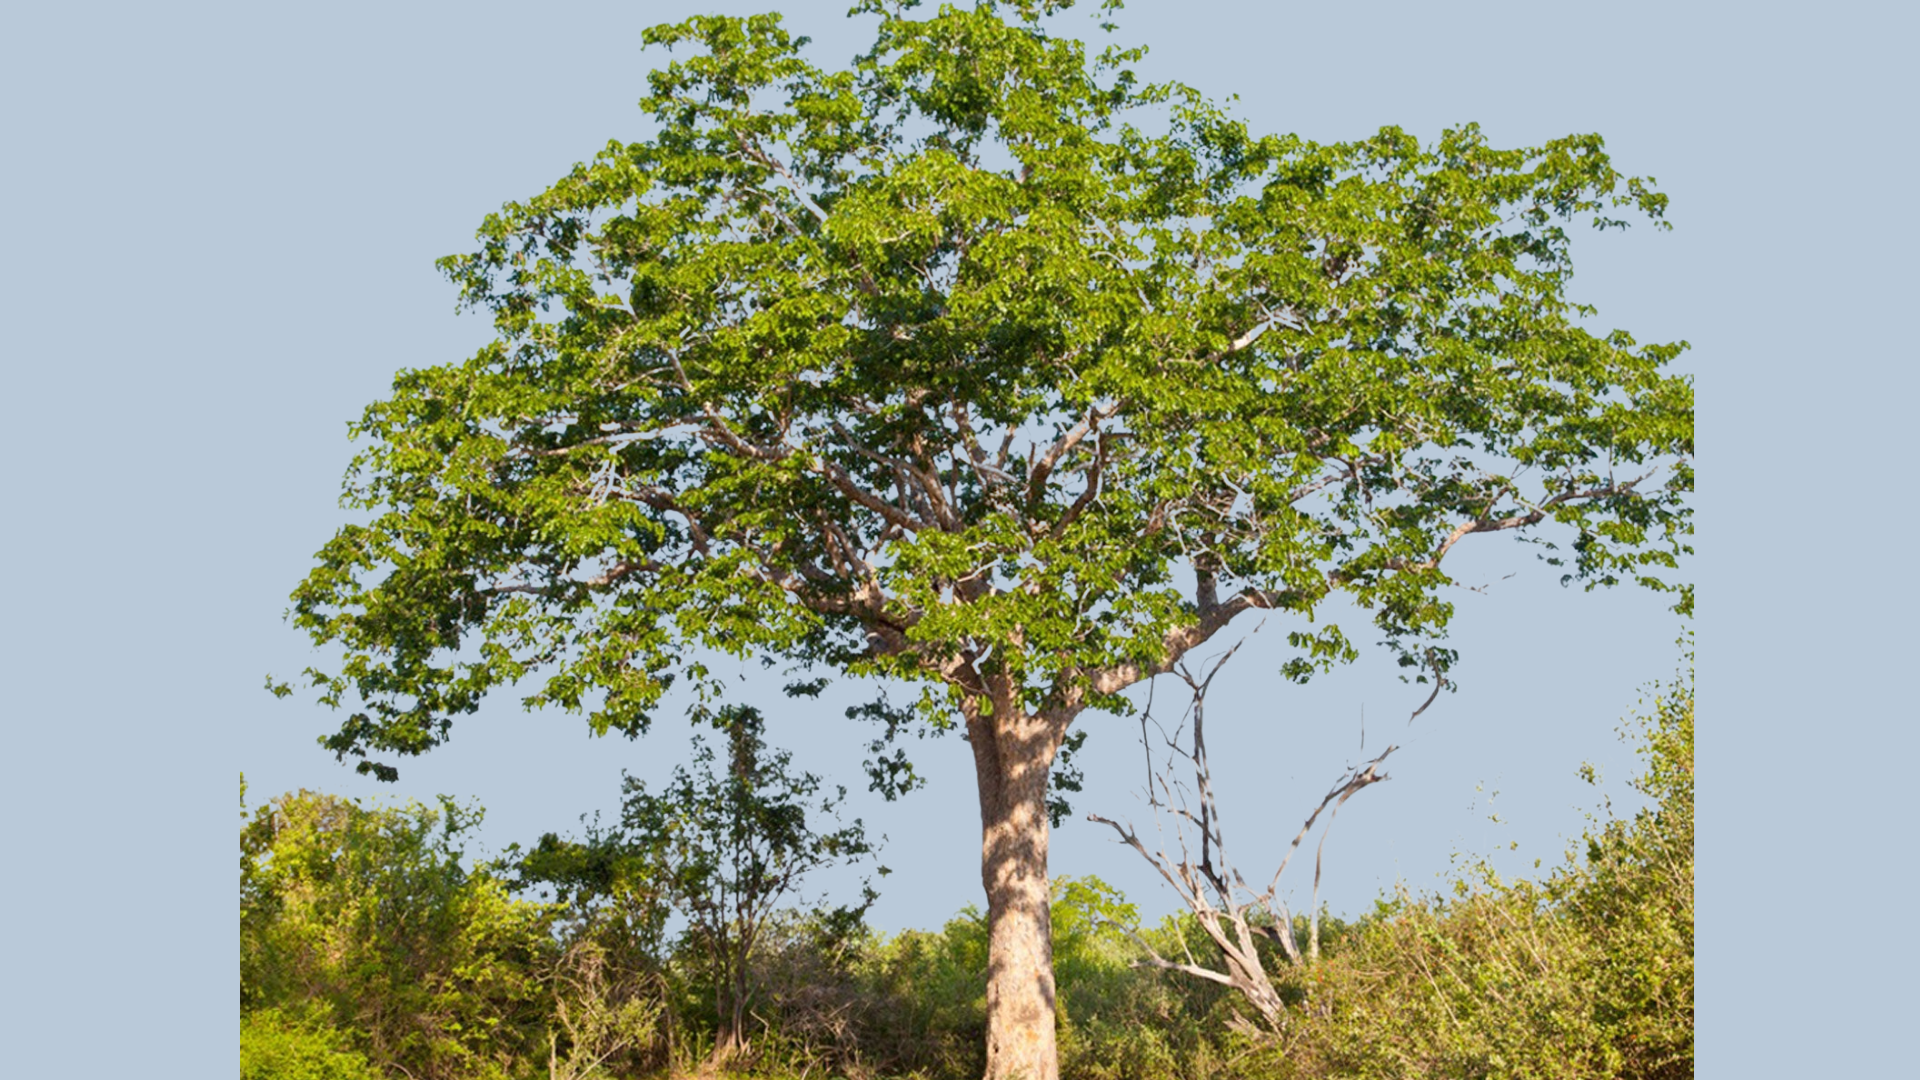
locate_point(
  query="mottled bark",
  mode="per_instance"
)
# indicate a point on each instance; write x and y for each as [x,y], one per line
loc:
[1012,753]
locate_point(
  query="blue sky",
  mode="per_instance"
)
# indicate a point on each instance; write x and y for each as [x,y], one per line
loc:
[223,226]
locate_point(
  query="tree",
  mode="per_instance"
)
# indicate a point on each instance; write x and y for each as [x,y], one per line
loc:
[984,365]
[1225,907]
[729,848]
[724,848]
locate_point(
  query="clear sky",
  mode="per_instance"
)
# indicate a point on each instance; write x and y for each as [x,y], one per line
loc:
[222,226]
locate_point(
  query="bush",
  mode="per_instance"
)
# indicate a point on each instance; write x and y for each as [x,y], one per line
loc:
[1589,973]
[365,916]
[916,1001]
[926,1000]
[273,1047]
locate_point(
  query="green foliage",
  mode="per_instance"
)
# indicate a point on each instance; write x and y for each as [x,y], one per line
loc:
[914,1003]
[610,989]
[606,1014]
[272,1047]
[981,360]
[1635,894]
[1588,973]
[930,990]
[362,918]
[1115,1020]
[725,844]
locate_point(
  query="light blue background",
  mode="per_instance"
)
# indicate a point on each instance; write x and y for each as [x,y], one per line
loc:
[221,221]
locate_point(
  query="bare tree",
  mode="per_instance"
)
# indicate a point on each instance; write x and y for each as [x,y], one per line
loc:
[1230,911]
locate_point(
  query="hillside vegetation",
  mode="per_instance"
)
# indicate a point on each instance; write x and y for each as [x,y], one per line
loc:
[371,948]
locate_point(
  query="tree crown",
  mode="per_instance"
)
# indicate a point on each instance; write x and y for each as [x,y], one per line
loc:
[983,359]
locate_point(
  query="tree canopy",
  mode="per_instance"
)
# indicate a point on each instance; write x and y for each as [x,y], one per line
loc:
[945,355]
[984,364]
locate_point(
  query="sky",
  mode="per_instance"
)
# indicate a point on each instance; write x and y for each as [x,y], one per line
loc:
[224,219]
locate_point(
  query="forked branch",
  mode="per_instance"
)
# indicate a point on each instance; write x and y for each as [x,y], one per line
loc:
[1231,914]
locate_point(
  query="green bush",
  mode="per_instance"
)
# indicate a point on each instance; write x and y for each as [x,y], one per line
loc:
[1588,973]
[915,1002]
[364,915]
[925,996]
[273,1047]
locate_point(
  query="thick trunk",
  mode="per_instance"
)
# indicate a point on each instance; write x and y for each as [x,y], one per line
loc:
[1012,755]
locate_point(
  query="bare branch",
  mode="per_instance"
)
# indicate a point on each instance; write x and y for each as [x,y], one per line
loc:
[1039,472]
[1439,684]
[1088,494]
[843,482]
[754,151]
[1154,959]
[1353,781]
[902,471]
[614,439]
[1182,640]
[661,499]
[618,570]
[1159,863]
[1223,905]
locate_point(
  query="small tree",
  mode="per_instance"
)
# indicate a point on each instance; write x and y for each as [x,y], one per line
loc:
[728,843]
[983,365]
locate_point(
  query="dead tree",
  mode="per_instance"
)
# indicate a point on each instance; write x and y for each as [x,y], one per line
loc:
[1230,911]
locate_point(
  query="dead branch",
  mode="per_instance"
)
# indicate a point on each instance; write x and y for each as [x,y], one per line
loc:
[1229,911]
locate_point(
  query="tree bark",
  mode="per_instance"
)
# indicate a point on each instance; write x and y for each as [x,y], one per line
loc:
[730,1007]
[1013,753]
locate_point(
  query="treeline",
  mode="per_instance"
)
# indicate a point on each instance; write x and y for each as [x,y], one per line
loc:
[372,948]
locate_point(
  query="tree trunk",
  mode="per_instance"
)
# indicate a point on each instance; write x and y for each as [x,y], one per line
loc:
[742,984]
[729,1038]
[1013,753]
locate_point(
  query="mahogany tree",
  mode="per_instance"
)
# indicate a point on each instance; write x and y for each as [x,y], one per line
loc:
[983,365]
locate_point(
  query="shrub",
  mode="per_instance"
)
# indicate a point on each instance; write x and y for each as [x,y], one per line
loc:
[274,1047]
[1589,973]
[364,915]
[367,950]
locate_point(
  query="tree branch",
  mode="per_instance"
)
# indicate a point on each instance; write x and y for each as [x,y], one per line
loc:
[1538,514]
[1042,469]
[1088,494]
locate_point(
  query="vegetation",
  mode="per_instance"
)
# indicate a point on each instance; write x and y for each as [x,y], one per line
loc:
[1586,973]
[368,952]
[360,932]
[984,366]
[725,850]
[272,1047]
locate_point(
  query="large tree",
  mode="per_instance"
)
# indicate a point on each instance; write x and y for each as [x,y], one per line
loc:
[984,365]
